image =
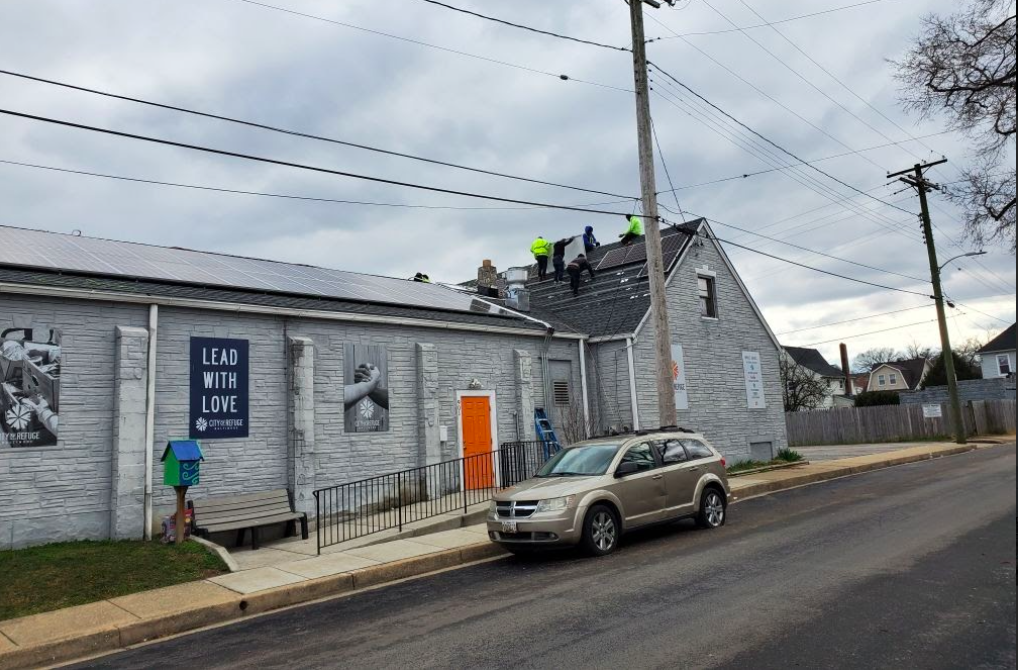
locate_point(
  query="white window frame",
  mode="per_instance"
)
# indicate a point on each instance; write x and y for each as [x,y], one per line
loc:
[893,379]
[881,380]
[712,278]
[1002,360]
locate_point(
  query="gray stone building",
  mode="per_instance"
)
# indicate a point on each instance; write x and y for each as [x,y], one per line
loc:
[301,378]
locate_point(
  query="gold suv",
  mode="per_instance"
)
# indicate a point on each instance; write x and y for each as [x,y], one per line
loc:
[591,493]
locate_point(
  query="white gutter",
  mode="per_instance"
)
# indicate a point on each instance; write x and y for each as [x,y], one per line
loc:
[632,384]
[150,414]
[111,296]
[583,388]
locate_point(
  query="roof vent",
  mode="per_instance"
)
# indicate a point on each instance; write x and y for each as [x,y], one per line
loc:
[517,296]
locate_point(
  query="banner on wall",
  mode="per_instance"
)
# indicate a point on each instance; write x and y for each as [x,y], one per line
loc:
[219,388]
[365,388]
[29,387]
[754,380]
[679,378]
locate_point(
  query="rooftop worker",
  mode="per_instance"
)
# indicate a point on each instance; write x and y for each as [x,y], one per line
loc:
[421,277]
[575,269]
[558,257]
[589,241]
[635,230]
[541,248]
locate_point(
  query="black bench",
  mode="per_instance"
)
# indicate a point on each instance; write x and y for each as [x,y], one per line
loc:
[247,512]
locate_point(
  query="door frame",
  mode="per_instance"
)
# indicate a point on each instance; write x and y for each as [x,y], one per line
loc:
[490,395]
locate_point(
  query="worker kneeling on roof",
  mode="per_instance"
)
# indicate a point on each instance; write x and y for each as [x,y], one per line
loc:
[634,230]
[575,269]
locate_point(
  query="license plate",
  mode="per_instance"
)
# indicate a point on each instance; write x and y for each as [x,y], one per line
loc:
[508,526]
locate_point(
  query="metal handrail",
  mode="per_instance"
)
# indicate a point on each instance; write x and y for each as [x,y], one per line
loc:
[348,511]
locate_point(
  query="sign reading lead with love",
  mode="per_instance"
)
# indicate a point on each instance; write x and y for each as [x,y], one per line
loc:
[219,388]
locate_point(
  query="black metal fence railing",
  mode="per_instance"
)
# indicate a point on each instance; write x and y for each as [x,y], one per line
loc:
[348,511]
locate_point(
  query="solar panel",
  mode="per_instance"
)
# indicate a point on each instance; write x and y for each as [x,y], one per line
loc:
[613,258]
[54,251]
[671,247]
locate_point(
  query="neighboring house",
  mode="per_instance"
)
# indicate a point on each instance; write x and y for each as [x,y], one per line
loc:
[813,361]
[904,375]
[726,358]
[998,356]
[860,383]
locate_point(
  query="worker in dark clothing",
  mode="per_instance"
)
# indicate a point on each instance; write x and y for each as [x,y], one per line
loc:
[633,231]
[575,269]
[421,277]
[558,257]
[589,241]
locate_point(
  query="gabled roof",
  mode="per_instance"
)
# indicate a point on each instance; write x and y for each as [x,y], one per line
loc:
[183,450]
[812,359]
[1003,342]
[911,370]
[617,299]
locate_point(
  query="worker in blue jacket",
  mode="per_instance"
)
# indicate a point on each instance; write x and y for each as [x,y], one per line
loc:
[589,241]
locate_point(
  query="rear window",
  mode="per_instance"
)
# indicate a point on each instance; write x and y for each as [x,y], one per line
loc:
[697,449]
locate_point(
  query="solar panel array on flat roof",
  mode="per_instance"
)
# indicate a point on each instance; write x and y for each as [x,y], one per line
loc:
[54,251]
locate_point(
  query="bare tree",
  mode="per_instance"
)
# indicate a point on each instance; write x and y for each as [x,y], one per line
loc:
[803,388]
[968,350]
[865,361]
[574,427]
[916,350]
[963,65]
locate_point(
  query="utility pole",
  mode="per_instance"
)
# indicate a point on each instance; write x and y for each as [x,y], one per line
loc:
[652,231]
[918,181]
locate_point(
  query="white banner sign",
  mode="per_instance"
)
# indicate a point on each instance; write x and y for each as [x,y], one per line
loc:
[754,380]
[679,378]
[933,411]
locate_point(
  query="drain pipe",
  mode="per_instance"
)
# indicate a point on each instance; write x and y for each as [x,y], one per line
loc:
[150,415]
[632,384]
[583,388]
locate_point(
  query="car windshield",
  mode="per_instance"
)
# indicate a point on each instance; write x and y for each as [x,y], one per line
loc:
[589,460]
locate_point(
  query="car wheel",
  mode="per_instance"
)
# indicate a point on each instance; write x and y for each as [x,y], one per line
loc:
[600,531]
[712,509]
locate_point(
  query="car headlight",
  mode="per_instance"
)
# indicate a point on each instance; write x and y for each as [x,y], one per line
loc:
[493,508]
[555,504]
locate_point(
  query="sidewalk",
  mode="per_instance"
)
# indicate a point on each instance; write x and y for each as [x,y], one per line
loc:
[282,577]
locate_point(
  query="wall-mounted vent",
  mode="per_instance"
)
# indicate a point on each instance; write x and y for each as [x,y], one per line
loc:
[560,392]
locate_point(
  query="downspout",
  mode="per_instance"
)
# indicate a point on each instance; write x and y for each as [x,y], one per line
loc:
[583,388]
[632,384]
[150,414]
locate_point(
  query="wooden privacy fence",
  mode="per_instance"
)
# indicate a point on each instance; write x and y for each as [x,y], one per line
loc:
[894,423]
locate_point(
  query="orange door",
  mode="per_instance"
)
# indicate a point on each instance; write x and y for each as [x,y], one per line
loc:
[477,466]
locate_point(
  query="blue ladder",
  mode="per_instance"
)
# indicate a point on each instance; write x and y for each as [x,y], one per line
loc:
[546,433]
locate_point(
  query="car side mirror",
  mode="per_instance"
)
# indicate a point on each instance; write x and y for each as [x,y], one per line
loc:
[626,469]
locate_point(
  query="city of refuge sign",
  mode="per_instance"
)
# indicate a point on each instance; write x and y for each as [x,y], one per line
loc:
[219,388]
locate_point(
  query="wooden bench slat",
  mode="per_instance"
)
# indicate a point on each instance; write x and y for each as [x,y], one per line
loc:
[249,523]
[247,511]
[211,520]
[268,504]
[242,501]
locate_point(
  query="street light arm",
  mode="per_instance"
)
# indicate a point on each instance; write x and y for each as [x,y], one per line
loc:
[968,255]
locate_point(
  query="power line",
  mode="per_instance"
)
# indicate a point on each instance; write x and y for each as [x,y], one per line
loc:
[523,27]
[873,332]
[988,316]
[814,251]
[295,133]
[429,45]
[773,143]
[771,23]
[286,196]
[300,166]
[826,272]
[661,154]
[860,318]
[812,160]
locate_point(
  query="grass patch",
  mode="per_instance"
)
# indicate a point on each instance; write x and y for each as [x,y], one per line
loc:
[784,456]
[53,576]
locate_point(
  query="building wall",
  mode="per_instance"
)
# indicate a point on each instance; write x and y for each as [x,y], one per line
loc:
[54,493]
[991,368]
[63,492]
[999,388]
[712,349]
[608,381]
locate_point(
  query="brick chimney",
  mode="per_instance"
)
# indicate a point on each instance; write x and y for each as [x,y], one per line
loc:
[487,279]
[846,370]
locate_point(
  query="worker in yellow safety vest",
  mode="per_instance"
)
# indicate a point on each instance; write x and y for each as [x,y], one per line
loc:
[541,248]
[634,230]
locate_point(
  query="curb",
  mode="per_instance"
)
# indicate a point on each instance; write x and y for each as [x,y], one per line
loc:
[816,477]
[113,638]
[766,468]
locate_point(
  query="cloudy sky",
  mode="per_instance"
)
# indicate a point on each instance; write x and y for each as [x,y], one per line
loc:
[261,64]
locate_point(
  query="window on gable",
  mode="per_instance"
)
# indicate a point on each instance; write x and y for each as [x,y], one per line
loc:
[882,380]
[1004,365]
[708,297]
[894,379]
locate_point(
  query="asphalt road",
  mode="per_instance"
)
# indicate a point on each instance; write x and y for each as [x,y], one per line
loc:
[909,567]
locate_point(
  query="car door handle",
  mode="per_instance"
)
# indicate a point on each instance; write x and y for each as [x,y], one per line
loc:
[658,477]
[696,469]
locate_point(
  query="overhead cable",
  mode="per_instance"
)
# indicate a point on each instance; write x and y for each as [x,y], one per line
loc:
[873,332]
[299,166]
[295,133]
[286,196]
[429,45]
[528,28]
[860,318]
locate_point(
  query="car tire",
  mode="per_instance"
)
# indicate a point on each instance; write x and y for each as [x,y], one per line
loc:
[713,509]
[601,531]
